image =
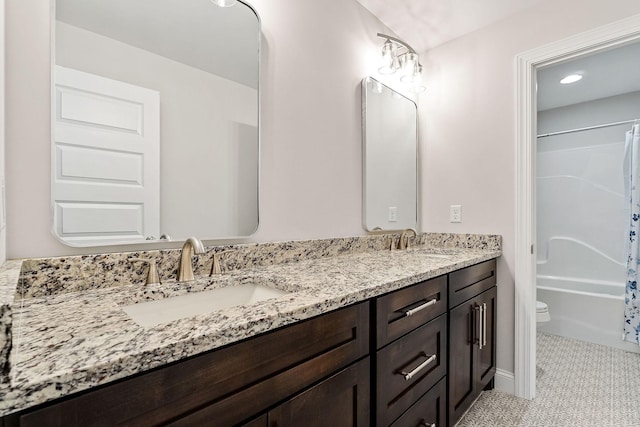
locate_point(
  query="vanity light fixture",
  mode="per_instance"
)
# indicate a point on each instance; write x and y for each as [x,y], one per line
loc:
[571,78]
[224,3]
[398,55]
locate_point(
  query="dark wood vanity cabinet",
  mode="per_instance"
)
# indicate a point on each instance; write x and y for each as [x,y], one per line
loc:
[472,332]
[418,356]
[232,385]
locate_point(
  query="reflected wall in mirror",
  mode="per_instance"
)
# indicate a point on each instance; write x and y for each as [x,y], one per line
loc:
[155,121]
[390,146]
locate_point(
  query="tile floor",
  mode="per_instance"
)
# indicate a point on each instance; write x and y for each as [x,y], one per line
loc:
[578,384]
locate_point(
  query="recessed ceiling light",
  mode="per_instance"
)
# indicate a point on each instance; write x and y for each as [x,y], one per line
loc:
[571,78]
[224,3]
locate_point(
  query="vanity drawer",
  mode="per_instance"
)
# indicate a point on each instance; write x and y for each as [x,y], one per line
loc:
[466,283]
[229,385]
[430,410]
[406,309]
[408,367]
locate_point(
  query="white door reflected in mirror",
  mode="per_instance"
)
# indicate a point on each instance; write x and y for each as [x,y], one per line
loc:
[193,168]
[106,159]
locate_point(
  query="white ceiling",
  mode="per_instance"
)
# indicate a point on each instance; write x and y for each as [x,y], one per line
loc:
[608,73]
[428,23]
[223,41]
[425,24]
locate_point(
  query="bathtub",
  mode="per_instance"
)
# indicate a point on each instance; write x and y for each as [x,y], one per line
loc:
[587,310]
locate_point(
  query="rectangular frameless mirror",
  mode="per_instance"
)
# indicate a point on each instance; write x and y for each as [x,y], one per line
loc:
[390,146]
[154,121]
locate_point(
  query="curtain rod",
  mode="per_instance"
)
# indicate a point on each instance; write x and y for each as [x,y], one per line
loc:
[544,135]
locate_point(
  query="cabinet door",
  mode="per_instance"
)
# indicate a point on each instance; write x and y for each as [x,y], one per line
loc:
[339,401]
[463,325]
[472,351]
[487,355]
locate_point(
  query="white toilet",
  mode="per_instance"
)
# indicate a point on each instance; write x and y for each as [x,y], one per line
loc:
[542,312]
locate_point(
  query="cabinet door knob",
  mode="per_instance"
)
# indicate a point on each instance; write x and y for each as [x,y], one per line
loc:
[426,424]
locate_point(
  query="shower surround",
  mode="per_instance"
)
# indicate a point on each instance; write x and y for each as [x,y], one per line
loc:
[582,215]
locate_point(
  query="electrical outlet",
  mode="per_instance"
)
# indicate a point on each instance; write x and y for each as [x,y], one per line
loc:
[393,214]
[455,213]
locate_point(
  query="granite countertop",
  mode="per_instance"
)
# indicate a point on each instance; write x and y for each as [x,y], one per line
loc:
[68,342]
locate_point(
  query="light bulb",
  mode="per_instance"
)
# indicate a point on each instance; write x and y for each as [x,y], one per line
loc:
[417,88]
[224,3]
[413,78]
[389,59]
[572,78]
[408,63]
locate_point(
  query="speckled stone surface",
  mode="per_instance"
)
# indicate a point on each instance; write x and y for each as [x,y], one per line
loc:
[468,241]
[67,341]
[51,276]
[9,276]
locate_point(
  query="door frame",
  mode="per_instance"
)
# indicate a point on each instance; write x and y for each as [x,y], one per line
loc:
[527,63]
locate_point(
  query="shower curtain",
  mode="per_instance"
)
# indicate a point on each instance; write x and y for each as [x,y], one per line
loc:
[632,186]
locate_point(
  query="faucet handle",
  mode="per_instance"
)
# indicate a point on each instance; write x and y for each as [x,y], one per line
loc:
[215,264]
[404,242]
[392,243]
[153,278]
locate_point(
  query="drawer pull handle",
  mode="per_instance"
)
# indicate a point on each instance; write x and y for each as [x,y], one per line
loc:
[413,311]
[408,375]
[426,424]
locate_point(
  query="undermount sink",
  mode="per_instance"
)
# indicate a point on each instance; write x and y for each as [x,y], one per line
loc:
[442,256]
[428,254]
[152,313]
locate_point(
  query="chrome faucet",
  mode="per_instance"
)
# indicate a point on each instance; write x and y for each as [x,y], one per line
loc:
[192,246]
[403,243]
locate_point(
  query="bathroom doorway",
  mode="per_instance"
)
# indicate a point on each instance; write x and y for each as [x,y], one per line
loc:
[585,106]
[529,63]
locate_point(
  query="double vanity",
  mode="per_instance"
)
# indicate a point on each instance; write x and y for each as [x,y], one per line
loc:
[353,334]
[328,332]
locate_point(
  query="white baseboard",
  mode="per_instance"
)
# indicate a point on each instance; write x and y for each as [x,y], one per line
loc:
[505,381]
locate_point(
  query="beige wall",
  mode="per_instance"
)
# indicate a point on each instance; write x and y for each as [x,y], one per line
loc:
[27,131]
[316,55]
[467,122]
